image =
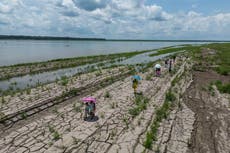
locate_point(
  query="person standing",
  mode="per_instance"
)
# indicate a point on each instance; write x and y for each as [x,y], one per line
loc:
[166,63]
[170,65]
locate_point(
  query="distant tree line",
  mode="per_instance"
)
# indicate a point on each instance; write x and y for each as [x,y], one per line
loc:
[21,37]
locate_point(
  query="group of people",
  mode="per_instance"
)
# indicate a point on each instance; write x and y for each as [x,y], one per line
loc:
[157,67]
[168,64]
[90,106]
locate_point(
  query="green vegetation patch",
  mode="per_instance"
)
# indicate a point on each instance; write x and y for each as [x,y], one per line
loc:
[171,50]
[141,103]
[222,57]
[223,88]
[161,113]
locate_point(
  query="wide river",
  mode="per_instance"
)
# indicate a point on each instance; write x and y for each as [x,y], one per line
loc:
[24,51]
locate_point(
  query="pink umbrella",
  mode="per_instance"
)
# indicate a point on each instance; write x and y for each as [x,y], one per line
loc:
[89,99]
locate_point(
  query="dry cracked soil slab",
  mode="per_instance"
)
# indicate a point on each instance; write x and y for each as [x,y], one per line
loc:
[64,130]
[47,93]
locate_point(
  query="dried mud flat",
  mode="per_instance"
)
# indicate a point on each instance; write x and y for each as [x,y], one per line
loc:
[61,128]
[211,131]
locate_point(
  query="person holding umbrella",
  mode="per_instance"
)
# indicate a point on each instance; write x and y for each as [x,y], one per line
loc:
[158,69]
[136,78]
[90,107]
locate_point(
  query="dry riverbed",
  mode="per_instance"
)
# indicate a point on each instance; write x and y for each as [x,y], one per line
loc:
[123,120]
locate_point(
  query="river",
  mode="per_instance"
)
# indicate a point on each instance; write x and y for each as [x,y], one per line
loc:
[25,51]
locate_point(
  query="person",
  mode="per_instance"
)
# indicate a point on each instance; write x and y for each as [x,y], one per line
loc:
[135,84]
[89,110]
[166,63]
[158,71]
[157,68]
[93,109]
[170,65]
[174,58]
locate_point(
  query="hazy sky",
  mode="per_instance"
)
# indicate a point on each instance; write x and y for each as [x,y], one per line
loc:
[126,19]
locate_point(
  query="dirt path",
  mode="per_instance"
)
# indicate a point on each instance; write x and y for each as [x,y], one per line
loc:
[212,123]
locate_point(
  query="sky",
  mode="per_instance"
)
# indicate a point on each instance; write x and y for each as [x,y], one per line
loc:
[117,19]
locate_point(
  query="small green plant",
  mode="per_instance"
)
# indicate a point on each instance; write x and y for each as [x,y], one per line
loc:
[51,128]
[148,140]
[64,80]
[56,135]
[50,144]
[170,96]
[23,115]
[28,91]
[222,70]
[126,121]
[134,111]
[107,94]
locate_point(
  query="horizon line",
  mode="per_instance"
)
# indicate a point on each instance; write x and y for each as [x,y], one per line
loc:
[32,37]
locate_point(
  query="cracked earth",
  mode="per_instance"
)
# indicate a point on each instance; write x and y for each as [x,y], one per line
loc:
[61,128]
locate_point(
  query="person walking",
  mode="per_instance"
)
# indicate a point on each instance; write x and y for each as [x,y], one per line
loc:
[135,84]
